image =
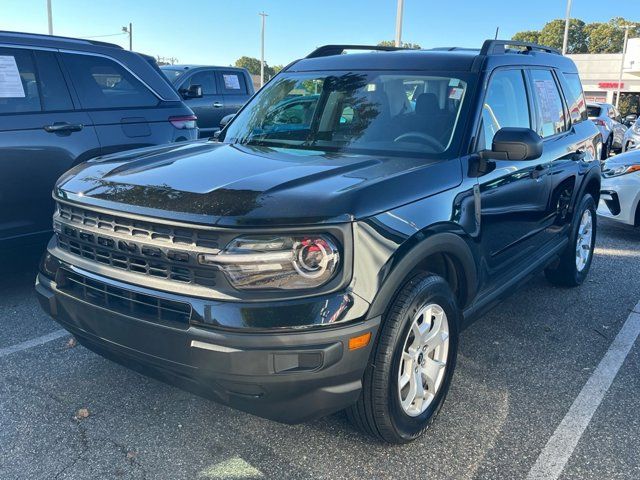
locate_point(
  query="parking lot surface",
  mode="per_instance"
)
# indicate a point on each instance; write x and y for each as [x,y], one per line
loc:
[519,371]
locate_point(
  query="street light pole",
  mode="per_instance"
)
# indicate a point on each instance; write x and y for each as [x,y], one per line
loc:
[565,40]
[399,13]
[129,30]
[624,52]
[263,15]
[49,17]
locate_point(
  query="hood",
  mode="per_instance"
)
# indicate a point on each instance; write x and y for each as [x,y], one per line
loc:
[231,185]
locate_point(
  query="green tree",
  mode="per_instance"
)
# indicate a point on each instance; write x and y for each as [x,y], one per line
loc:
[552,35]
[391,43]
[531,36]
[253,66]
[608,37]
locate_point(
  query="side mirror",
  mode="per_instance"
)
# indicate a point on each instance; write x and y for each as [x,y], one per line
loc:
[194,91]
[511,143]
[226,119]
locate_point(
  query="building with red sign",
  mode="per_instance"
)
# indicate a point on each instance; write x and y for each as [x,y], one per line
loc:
[600,75]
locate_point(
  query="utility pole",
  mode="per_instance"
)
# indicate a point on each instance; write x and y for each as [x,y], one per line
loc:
[565,40]
[263,15]
[49,17]
[129,30]
[399,13]
[624,53]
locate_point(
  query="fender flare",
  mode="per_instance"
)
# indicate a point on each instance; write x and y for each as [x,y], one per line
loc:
[400,268]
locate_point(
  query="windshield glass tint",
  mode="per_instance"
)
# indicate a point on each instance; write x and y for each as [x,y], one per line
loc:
[171,74]
[354,111]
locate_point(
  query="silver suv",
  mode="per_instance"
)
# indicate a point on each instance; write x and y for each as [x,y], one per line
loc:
[609,121]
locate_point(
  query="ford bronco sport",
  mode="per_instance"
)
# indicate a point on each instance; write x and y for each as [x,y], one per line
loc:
[325,252]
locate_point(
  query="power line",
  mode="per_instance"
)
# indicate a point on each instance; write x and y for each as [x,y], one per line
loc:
[101,36]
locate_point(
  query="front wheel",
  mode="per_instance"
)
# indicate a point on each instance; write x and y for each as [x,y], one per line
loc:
[412,364]
[574,263]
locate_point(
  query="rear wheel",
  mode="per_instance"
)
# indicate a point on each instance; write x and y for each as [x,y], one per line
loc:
[575,262]
[412,364]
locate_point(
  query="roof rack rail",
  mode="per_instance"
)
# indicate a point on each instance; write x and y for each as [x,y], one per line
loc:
[328,50]
[492,47]
[57,37]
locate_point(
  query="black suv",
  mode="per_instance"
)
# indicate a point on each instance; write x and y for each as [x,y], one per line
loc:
[325,254]
[63,101]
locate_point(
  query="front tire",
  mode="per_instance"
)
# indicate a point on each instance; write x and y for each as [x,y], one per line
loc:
[575,261]
[412,364]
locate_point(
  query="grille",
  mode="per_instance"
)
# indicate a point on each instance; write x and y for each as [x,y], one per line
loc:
[119,300]
[161,251]
[139,230]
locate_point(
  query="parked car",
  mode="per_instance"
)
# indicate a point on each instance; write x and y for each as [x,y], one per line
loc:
[609,121]
[620,195]
[294,273]
[64,101]
[211,92]
[631,138]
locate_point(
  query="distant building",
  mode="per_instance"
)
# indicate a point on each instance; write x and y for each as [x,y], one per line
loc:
[600,73]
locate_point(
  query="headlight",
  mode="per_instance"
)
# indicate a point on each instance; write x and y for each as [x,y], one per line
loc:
[636,127]
[277,262]
[621,170]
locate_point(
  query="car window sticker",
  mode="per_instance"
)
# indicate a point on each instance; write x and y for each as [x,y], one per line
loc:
[10,81]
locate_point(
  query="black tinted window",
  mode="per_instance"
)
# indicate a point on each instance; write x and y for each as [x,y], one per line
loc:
[53,89]
[102,83]
[593,111]
[19,90]
[206,79]
[575,98]
[505,105]
[550,110]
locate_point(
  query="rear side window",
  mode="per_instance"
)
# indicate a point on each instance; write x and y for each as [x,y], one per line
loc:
[206,79]
[593,111]
[505,105]
[19,91]
[549,106]
[233,83]
[575,97]
[53,88]
[103,83]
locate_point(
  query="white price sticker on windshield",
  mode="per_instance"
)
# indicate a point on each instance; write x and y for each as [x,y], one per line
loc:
[455,93]
[10,82]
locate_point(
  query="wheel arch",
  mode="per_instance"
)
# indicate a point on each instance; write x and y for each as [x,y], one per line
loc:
[446,254]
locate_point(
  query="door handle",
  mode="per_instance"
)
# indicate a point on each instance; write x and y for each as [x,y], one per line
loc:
[217,105]
[538,172]
[63,127]
[578,155]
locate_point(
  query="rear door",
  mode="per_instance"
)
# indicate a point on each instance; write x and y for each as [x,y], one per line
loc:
[567,143]
[125,112]
[41,136]
[234,89]
[210,107]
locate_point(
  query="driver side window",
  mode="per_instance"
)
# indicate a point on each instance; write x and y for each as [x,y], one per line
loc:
[505,105]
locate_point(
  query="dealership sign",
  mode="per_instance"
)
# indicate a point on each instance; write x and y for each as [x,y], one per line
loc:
[605,85]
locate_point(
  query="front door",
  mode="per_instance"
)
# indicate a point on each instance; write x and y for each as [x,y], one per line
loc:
[514,196]
[210,108]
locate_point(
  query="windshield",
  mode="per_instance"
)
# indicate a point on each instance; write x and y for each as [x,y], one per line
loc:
[171,74]
[353,111]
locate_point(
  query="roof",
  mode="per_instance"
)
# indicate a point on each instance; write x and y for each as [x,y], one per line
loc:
[192,66]
[53,41]
[492,54]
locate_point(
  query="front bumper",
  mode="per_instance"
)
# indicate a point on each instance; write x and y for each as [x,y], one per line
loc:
[619,198]
[289,377]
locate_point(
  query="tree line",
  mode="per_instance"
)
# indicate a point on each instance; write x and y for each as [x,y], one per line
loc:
[596,37]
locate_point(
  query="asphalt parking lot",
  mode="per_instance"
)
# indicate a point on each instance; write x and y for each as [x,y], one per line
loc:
[521,368]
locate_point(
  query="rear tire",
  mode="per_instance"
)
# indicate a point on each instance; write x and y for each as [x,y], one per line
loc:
[406,381]
[575,261]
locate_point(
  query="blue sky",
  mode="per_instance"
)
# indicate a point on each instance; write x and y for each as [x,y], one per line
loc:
[218,32]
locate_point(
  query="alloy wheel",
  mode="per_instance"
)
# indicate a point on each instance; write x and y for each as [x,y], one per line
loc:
[584,240]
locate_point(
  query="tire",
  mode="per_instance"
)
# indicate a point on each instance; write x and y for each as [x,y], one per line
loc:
[570,270]
[379,411]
